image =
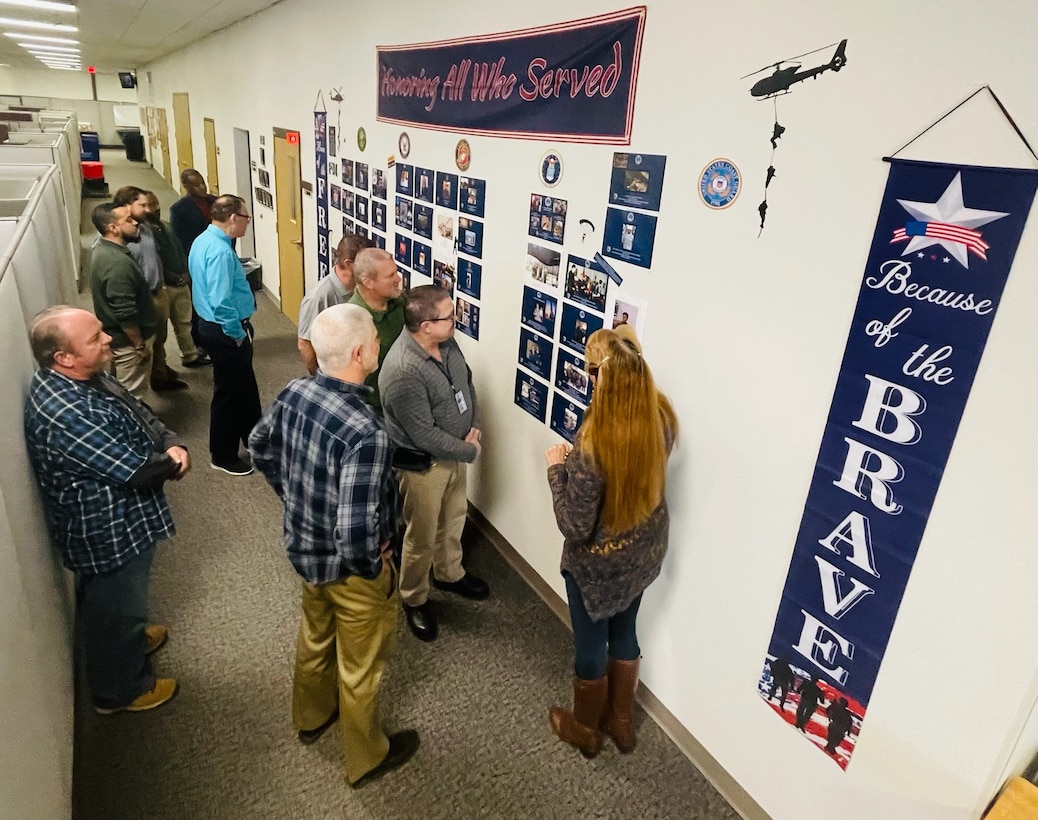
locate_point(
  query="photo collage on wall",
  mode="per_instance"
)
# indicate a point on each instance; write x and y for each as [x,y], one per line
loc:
[438,235]
[358,198]
[635,192]
[564,302]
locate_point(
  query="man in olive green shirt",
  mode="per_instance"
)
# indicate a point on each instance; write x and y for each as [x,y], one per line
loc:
[379,292]
[122,300]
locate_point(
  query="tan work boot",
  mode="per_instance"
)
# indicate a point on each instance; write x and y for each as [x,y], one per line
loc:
[155,638]
[162,692]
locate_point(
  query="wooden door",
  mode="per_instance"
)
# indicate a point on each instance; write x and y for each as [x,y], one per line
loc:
[163,140]
[182,126]
[289,202]
[212,169]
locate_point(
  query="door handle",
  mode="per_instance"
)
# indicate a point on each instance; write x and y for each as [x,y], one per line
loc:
[297,242]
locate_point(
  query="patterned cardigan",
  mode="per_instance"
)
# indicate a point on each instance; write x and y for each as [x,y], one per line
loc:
[611,571]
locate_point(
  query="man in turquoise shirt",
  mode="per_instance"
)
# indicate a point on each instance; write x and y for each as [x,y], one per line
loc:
[224,303]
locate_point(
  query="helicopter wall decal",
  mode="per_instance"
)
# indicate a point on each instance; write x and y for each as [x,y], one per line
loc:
[785,76]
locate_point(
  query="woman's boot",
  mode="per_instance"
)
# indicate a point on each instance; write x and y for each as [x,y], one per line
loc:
[580,727]
[618,717]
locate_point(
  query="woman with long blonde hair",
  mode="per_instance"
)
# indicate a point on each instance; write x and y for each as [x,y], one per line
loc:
[608,494]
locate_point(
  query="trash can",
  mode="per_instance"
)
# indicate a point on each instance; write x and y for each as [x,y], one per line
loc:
[253,272]
[90,146]
[134,147]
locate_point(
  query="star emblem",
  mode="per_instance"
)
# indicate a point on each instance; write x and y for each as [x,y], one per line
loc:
[950,210]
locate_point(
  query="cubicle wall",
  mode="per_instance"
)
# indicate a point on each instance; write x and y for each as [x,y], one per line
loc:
[36,599]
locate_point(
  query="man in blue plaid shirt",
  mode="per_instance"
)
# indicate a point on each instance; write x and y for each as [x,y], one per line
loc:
[101,458]
[328,457]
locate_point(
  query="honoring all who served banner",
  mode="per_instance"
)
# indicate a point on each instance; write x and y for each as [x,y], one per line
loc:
[943,248]
[573,82]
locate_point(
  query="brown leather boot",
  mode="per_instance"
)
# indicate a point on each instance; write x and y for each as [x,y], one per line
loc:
[580,727]
[618,717]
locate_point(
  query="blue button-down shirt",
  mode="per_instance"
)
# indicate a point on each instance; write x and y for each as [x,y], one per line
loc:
[328,457]
[220,291]
[85,444]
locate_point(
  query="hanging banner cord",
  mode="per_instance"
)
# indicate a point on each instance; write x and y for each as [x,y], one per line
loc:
[319,102]
[998,102]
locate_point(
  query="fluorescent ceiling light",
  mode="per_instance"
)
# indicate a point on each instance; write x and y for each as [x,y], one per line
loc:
[67,67]
[43,5]
[44,49]
[11,21]
[40,38]
[56,58]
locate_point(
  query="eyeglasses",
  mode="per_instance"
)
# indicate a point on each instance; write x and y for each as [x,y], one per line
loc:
[592,369]
[442,319]
[244,216]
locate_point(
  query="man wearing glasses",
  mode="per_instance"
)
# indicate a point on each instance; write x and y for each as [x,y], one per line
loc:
[430,405]
[224,303]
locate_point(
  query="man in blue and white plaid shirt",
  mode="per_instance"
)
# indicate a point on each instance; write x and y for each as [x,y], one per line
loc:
[328,457]
[101,458]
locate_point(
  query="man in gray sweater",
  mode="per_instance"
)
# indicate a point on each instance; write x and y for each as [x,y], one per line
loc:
[430,405]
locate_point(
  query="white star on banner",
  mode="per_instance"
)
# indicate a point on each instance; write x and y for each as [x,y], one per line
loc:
[951,210]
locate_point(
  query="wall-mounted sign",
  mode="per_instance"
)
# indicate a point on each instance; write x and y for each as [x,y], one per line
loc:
[719,184]
[463,155]
[572,81]
[403,144]
[551,169]
[362,138]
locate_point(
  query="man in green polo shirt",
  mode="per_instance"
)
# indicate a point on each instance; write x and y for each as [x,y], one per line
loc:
[122,299]
[379,292]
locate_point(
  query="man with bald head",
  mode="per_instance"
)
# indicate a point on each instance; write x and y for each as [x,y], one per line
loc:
[225,304]
[101,459]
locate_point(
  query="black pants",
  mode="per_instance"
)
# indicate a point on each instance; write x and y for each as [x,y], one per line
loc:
[236,404]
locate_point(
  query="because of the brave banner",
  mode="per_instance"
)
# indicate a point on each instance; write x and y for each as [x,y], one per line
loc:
[321,169]
[943,247]
[572,81]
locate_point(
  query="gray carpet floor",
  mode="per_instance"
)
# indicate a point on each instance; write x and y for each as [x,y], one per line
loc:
[478,696]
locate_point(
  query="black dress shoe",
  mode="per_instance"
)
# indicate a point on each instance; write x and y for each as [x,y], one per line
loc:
[201,360]
[402,747]
[309,736]
[169,384]
[422,621]
[468,587]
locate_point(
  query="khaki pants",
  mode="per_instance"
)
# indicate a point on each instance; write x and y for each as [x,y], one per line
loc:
[159,371]
[131,370]
[435,506]
[180,316]
[346,634]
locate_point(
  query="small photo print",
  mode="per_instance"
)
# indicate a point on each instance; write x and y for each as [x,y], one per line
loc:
[333,141]
[542,264]
[379,240]
[444,236]
[586,283]
[421,258]
[402,249]
[423,220]
[347,201]
[535,353]
[405,180]
[472,196]
[470,236]
[336,197]
[405,275]
[361,208]
[531,395]
[404,214]
[443,275]
[378,183]
[466,318]
[447,190]
[566,417]
[576,326]
[423,187]
[347,172]
[348,226]
[361,176]
[378,215]
[539,310]
[571,376]
[627,311]
[470,275]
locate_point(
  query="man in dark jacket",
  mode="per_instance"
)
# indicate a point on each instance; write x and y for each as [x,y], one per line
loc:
[189,216]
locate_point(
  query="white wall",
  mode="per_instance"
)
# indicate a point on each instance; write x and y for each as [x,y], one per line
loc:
[746,335]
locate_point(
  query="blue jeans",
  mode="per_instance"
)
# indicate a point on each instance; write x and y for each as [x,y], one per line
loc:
[113,611]
[594,642]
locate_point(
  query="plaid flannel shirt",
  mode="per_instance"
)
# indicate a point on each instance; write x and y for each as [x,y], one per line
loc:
[328,457]
[85,444]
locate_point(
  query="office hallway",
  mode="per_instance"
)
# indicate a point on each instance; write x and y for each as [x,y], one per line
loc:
[225,748]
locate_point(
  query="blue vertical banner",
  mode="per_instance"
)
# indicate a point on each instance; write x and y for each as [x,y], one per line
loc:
[940,257]
[321,185]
